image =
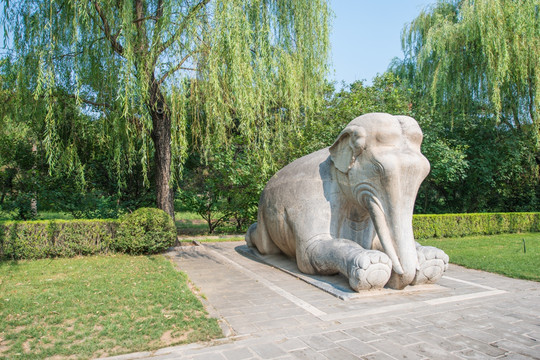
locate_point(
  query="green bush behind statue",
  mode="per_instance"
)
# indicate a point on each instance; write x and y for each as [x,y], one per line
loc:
[67,238]
[145,231]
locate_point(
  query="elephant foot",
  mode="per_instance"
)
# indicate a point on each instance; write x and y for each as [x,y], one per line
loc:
[369,269]
[432,263]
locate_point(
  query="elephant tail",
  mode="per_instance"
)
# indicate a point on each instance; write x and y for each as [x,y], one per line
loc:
[249,234]
[258,238]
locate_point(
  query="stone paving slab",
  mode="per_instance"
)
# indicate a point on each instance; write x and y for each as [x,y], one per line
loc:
[269,314]
[336,285]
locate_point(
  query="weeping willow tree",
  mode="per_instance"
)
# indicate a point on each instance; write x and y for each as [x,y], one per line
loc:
[149,69]
[480,56]
[474,67]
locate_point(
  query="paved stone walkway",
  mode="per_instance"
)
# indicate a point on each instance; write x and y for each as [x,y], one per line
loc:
[269,314]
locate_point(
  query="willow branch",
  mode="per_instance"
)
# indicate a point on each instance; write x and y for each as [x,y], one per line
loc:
[155,18]
[90,102]
[77,53]
[141,30]
[117,47]
[191,13]
[176,68]
[157,32]
[159,10]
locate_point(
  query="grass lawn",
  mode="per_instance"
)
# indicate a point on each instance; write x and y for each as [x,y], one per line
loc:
[192,224]
[222,239]
[42,215]
[96,306]
[502,254]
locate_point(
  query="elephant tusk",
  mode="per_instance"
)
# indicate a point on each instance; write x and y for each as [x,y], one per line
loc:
[379,220]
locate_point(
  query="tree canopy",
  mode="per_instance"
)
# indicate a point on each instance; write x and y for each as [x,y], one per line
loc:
[157,72]
[479,56]
[474,70]
[102,102]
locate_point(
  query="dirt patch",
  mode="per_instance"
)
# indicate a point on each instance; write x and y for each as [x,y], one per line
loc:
[69,325]
[18,329]
[115,350]
[45,346]
[171,337]
[77,342]
[61,357]
[4,346]
[26,347]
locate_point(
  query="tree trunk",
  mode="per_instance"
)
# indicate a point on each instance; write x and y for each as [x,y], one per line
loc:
[161,135]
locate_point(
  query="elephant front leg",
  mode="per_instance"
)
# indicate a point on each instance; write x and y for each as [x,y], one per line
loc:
[365,269]
[432,263]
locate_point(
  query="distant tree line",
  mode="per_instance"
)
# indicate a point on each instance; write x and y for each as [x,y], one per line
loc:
[85,143]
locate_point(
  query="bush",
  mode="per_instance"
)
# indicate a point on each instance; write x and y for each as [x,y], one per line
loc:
[225,189]
[55,238]
[145,231]
[152,230]
[454,225]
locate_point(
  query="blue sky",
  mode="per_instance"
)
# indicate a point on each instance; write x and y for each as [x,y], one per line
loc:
[366,35]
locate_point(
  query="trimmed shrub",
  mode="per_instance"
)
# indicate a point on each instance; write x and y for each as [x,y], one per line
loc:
[145,231]
[55,238]
[455,225]
[151,230]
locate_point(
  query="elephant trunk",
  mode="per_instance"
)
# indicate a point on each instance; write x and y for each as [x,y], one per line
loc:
[406,250]
[394,229]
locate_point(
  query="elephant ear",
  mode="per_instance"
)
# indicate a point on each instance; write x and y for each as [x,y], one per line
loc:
[348,146]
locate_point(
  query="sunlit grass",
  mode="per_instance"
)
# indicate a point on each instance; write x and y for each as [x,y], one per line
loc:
[96,306]
[192,224]
[54,215]
[212,238]
[513,255]
[187,215]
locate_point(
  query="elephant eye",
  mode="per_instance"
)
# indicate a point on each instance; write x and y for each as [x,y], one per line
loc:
[379,168]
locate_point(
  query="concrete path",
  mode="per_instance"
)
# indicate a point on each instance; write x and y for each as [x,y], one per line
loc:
[269,314]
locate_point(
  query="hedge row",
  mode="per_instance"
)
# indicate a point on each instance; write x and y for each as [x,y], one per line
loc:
[454,225]
[151,230]
[56,238]
[145,231]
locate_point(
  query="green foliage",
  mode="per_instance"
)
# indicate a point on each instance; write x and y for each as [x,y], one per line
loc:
[88,205]
[55,238]
[97,306]
[82,183]
[479,55]
[226,188]
[385,95]
[452,225]
[151,72]
[514,255]
[183,214]
[449,168]
[145,231]
[474,69]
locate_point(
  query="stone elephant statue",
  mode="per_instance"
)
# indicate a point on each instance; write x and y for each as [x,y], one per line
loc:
[348,208]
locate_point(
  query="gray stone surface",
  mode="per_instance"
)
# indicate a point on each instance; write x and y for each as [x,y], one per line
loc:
[336,285]
[348,208]
[476,315]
